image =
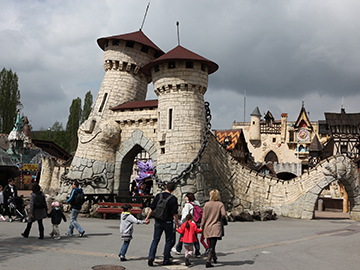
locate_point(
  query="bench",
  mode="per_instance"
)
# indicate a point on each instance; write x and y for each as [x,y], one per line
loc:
[115,208]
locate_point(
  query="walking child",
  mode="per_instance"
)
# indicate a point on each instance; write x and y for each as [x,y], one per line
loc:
[188,230]
[56,215]
[127,229]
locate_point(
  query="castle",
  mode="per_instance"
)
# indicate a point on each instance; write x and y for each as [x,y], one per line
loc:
[175,132]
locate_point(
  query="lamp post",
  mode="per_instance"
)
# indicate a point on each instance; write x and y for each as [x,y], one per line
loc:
[297,159]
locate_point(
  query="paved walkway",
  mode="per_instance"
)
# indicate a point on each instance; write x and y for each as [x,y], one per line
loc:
[281,244]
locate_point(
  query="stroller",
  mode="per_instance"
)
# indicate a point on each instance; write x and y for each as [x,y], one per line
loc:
[17,208]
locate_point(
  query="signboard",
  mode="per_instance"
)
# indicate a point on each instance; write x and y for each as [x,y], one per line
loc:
[28,167]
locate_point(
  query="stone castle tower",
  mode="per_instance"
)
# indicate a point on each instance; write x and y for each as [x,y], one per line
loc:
[180,78]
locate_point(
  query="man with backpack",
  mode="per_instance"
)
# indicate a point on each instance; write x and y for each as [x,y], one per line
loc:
[164,208]
[76,200]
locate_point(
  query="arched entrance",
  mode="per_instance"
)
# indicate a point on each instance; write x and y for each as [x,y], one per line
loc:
[272,157]
[125,160]
[337,168]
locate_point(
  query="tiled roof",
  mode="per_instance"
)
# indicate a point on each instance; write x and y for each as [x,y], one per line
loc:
[137,104]
[180,53]
[137,36]
[233,134]
[315,145]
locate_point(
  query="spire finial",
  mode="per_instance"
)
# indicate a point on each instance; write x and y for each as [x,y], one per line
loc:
[178,35]
[147,8]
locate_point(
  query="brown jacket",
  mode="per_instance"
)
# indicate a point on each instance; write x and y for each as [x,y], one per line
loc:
[210,222]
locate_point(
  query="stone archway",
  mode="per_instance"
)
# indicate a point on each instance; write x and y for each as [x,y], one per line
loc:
[338,168]
[125,158]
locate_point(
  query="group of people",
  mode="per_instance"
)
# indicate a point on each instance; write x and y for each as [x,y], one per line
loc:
[38,211]
[211,226]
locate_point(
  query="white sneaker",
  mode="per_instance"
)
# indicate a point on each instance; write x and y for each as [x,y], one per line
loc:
[175,251]
[57,238]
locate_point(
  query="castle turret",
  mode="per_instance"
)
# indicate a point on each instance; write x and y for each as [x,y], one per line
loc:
[255,135]
[124,56]
[124,81]
[180,80]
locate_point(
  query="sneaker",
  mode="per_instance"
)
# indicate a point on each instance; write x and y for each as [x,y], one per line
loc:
[81,234]
[123,259]
[68,234]
[151,262]
[23,235]
[175,251]
[187,262]
[198,255]
[57,238]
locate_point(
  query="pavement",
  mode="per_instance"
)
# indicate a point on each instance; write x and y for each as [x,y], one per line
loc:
[280,244]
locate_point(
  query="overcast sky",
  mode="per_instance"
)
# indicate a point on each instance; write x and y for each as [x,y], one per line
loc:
[280,52]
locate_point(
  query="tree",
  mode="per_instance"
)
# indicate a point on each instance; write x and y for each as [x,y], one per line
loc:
[9,99]
[87,106]
[73,124]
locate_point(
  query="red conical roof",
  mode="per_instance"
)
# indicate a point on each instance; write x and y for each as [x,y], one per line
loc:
[137,36]
[180,53]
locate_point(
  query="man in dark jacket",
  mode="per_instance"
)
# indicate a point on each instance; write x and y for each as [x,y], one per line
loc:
[10,192]
[164,225]
[75,210]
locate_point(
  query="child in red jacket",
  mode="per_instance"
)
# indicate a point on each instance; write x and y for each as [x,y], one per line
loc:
[188,230]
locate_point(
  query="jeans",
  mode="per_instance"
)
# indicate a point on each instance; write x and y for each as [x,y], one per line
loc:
[196,245]
[124,248]
[41,229]
[159,228]
[73,222]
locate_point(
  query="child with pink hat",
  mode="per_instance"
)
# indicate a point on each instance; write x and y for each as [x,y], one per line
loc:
[56,215]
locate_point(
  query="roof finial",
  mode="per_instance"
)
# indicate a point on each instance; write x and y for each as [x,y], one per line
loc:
[178,35]
[147,8]
[303,103]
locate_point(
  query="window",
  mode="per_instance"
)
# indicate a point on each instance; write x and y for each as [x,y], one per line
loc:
[156,68]
[274,140]
[103,102]
[145,49]
[203,67]
[253,123]
[106,43]
[291,136]
[115,42]
[170,118]
[162,150]
[189,64]
[130,44]
[343,149]
[171,65]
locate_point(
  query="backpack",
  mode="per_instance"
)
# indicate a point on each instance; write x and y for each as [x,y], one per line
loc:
[79,198]
[161,210]
[197,213]
[39,201]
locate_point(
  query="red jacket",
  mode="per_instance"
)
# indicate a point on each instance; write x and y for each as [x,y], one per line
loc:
[189,234]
